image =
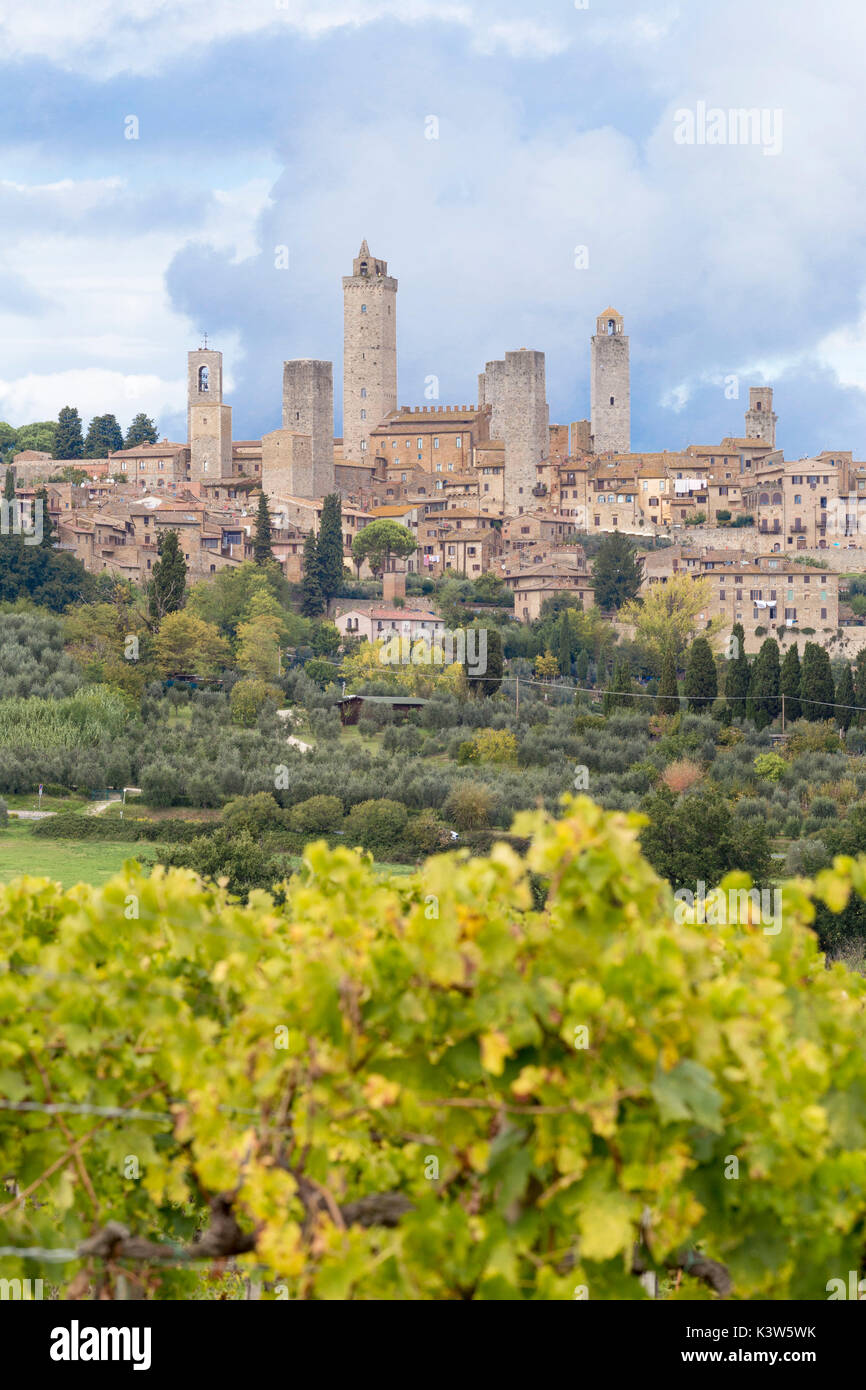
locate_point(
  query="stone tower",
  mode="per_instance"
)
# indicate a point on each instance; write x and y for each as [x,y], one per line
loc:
[491,391]
[610,390]
[760,420]
[520,398]
[308,408]
[369,351]
[209,422]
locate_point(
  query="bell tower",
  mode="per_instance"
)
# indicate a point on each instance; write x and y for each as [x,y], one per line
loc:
[209,421]
[369,352]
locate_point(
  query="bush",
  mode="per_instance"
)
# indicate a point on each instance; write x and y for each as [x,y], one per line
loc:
[376,824]
[254,814]
[426,834]
[318,815]
[770,766]
[4,812]
[468,806]
[681,776]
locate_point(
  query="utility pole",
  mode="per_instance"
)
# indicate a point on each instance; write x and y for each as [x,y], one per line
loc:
[517,694]
[783,711]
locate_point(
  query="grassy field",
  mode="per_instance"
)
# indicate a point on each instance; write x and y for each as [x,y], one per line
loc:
[92,861]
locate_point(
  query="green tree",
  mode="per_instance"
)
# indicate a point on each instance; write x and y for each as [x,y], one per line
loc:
[262,551]
[860,685]
[68,440]
[845,697]
[817,692]
[167,588]
[667,699]
[620,688]
[185,644]
[617,573]
[9,485]
[701,683]
[379,541]
[312,602]
[329,548]
[41,505]
[763,703]
[565,640]
[487,681]
[141,431]
[789,683]
[248,698]
[581,666]
[104,436]
[737,673]
[696,838]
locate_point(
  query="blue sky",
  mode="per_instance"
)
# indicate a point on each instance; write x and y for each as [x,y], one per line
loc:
[264,124]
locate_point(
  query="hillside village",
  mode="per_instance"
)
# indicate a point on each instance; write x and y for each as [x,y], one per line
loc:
[487,487]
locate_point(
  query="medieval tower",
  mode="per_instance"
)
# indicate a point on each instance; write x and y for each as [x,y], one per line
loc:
[610,390]
[760,420]
[515,389]
[308,408]
[209,422]
[369,351]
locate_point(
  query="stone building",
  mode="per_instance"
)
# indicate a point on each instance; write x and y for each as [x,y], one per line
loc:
[514,390]
[209,420]
[610,388]
[369,351]
[439,439]
[308,408]
[760,420]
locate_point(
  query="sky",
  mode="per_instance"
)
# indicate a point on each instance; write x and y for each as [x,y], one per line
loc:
[173,169]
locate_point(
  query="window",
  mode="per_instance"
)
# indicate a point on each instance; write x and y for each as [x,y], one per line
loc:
[363,446]
[123,465]
[438,468]
[797,499]
[408,444]
[436,442]
[161,464]
[363,308]
[611,400]
[420,443]
[458,443]
[203,379]
[790,613]
[141,464]
[823,612]
[363,414]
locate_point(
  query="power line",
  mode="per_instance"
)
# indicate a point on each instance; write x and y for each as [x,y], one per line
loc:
[645,695]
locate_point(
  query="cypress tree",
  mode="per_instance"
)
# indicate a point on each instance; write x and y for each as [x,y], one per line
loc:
[167,589]
[789,683]
[329,547]
[817,692]
[581,666]
[262,551]
[41,501]
[564,645]
[763,703]
[312,603]
[667,699]
[701,683]
[9,486]
[737,673]
[68,439]
[860,685]
[844,697]
[104,436]
[619,689]
[488,681]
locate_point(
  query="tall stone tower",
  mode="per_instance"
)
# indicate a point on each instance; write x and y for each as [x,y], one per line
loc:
[491,391]
[308,408]
[369,351]
[525,425]
[760,420]
[610,389]
[209,422]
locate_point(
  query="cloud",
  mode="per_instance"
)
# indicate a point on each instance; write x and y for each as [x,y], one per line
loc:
[94,391]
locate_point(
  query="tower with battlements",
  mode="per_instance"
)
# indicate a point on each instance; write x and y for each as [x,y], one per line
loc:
[760,420]
[610,387]
[369,351]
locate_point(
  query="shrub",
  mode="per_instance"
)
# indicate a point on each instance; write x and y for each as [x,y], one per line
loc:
[681,776]
[317,815]
[770,766]
[255,813]
[4,812]
[495,746]
[468,806]
[426,833]
[376,824]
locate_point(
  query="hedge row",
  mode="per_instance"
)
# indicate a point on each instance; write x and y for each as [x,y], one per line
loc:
[66,826]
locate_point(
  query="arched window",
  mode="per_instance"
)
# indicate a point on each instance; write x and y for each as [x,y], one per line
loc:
[203,379]
[758,405]
[777,499]
[611,326]
[764,499]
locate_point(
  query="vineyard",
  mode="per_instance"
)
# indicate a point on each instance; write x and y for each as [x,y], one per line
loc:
[500,1077]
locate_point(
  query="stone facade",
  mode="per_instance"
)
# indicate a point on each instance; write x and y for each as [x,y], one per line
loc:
[287,465]
[610,388]
[525,427]
[209,421]
[760,420]
[369,351]
[308,408]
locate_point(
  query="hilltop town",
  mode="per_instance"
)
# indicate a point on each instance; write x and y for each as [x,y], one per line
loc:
[491,486]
